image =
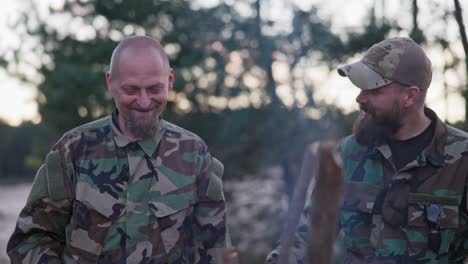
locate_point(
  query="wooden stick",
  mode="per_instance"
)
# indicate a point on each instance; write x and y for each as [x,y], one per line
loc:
[326,199]
[309,163]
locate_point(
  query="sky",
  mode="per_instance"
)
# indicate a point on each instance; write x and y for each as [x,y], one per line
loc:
[17,103]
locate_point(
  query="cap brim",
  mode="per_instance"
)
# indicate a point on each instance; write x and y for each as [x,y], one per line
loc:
[362,76]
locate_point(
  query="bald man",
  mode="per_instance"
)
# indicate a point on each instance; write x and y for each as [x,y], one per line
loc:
[127,188]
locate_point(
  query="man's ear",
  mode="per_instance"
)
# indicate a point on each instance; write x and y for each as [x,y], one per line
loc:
[412,96]
[108,81]
[171,78]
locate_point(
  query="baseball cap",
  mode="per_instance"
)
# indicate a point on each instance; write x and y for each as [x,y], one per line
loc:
[396,59]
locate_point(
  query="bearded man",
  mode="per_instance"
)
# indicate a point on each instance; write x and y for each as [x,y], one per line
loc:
[130,187]
[405,171]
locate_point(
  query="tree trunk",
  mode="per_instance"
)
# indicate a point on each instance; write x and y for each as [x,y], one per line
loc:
[416,33]
[461,26]
[266,48]
[266,60]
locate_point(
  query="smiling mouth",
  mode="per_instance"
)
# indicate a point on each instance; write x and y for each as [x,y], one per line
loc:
[363,108]
[145,110]
[365,113]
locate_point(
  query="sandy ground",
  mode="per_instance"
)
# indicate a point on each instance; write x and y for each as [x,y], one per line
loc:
[12,200]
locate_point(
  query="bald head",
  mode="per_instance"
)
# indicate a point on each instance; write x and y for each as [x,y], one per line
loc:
[135,44]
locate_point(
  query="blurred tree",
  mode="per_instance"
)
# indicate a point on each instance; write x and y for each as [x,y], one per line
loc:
[224,65]
[375,30]
[17,144]
[416,33]
[461,26]
[230,62]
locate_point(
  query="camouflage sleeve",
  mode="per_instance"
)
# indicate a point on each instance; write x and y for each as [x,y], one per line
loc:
[465,225]
[210,213]
[460,245]
[39,234]
[298,246]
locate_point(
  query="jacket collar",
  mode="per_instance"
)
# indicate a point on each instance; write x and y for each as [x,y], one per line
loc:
[433,153]
[148,144]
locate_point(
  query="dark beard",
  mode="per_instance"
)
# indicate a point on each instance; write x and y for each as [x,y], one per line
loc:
[373,131]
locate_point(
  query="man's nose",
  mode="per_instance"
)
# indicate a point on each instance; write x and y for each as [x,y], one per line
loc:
[144,100]
[362,97]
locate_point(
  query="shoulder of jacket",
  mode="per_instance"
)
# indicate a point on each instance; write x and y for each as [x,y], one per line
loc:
[215,186]
[102,124]
[455,132]
[175,129]
[456,143]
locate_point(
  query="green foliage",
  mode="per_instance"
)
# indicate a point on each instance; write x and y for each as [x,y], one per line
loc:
[38,151]
[374,31]
[201,43]
[311,34]
[247,139]
[215,51]
[16,148]
[75,88]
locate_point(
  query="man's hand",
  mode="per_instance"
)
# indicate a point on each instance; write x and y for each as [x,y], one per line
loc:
[231,256]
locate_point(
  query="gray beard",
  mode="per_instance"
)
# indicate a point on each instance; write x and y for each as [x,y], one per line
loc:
[141,128]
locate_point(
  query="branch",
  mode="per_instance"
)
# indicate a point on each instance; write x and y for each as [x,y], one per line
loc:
[461,26]
[325,205]
[296,206]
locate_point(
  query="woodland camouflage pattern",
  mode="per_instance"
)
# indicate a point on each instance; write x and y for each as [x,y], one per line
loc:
[101,198]
[395,59]
[383,214]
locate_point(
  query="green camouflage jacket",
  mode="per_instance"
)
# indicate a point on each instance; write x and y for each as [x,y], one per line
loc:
[100,198]
[417,214]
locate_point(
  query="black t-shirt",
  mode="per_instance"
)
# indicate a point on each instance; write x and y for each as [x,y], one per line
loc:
[404,151]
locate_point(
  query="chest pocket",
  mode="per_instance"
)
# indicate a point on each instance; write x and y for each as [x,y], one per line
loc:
[356,215]
[173,217]
[422,233]
[93,214]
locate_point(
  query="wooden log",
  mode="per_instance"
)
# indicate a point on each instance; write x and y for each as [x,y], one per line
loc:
[296,205]
[326,200]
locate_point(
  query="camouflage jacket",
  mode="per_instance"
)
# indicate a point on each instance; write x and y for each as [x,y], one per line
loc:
[101,198]
[417,214]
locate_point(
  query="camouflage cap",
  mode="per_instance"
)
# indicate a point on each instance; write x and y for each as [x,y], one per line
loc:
[396,59]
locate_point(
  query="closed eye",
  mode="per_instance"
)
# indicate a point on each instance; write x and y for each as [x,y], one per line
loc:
[155,89]
[130,90]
